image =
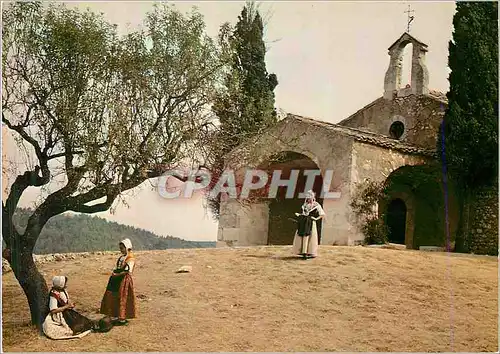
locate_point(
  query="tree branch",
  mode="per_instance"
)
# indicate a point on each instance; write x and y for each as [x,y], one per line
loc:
[28,179]
[76,152]
[20,130]
[96,208]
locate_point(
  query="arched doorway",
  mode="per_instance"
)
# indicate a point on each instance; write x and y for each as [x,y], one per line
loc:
[282,224]
[396,221]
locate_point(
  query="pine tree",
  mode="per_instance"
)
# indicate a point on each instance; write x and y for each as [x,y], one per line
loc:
[246,104]
[470,146]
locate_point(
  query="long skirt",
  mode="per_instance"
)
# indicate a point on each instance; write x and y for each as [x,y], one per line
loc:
[77,322]
[119,298]
[306,245]
[56,327]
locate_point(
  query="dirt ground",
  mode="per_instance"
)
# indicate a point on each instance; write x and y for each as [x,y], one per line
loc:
[261,299]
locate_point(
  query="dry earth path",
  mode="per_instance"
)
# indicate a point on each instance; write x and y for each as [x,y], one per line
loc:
[261,299]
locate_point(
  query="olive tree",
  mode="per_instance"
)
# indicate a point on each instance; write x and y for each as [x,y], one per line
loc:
[105,111]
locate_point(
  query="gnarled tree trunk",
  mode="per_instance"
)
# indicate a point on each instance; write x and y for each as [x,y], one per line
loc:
[20,257]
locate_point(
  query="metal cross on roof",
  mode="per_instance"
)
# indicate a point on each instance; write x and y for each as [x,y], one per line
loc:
[410,18]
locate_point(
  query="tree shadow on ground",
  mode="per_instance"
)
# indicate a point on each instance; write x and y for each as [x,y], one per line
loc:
[282,258]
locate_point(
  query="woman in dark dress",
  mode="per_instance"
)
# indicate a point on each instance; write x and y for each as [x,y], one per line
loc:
[63,322]
[118,301]
[305,242]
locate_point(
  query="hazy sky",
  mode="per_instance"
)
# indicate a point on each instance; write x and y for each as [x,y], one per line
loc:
[330,59]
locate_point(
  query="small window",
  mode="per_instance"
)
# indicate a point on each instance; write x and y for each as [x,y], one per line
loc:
[396,130]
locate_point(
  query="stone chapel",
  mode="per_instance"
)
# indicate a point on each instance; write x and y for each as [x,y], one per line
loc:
[398,129]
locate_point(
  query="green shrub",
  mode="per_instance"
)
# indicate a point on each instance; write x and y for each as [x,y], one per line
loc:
[364,205]
[375,231]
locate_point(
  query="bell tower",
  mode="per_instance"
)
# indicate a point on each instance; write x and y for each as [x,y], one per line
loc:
[419,80]
[419,73]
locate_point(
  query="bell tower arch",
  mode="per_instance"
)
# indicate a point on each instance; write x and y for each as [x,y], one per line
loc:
[419,73]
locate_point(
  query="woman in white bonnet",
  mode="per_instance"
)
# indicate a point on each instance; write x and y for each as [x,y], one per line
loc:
[305,242]
[118,301]
[63,322]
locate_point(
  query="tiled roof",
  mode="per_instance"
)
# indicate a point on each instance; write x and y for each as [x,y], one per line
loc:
[366,137]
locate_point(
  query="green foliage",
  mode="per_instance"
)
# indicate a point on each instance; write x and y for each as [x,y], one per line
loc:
[368,195]
[257,102]
[97,113]
[364,204]
[104,111]
[415,177]
[375,231]
[245,103]
[471,120]
[423,184]
[83,233]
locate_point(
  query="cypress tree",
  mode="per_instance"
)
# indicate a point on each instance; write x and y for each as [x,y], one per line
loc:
[245,106]
[471,120]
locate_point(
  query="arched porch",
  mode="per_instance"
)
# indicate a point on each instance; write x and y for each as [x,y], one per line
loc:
[290,166]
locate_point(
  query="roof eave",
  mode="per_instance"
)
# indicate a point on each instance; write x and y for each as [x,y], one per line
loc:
[409,35]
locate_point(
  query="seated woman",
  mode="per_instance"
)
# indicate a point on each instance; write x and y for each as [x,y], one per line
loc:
[63,322]
[118,301]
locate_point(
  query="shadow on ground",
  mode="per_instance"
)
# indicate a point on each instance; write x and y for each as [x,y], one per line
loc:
[283,258]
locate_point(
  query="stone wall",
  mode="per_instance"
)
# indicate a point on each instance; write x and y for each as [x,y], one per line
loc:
[422,190]
[376,164]
[484,222]
[243,225]
[351,162]
[57,257]
[421,116]
[327,149]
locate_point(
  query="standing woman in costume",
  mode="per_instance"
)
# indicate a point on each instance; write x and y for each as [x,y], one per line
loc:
[119,299]
[305,242]
[63,322]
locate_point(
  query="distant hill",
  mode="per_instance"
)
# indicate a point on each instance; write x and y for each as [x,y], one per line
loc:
[85,233]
